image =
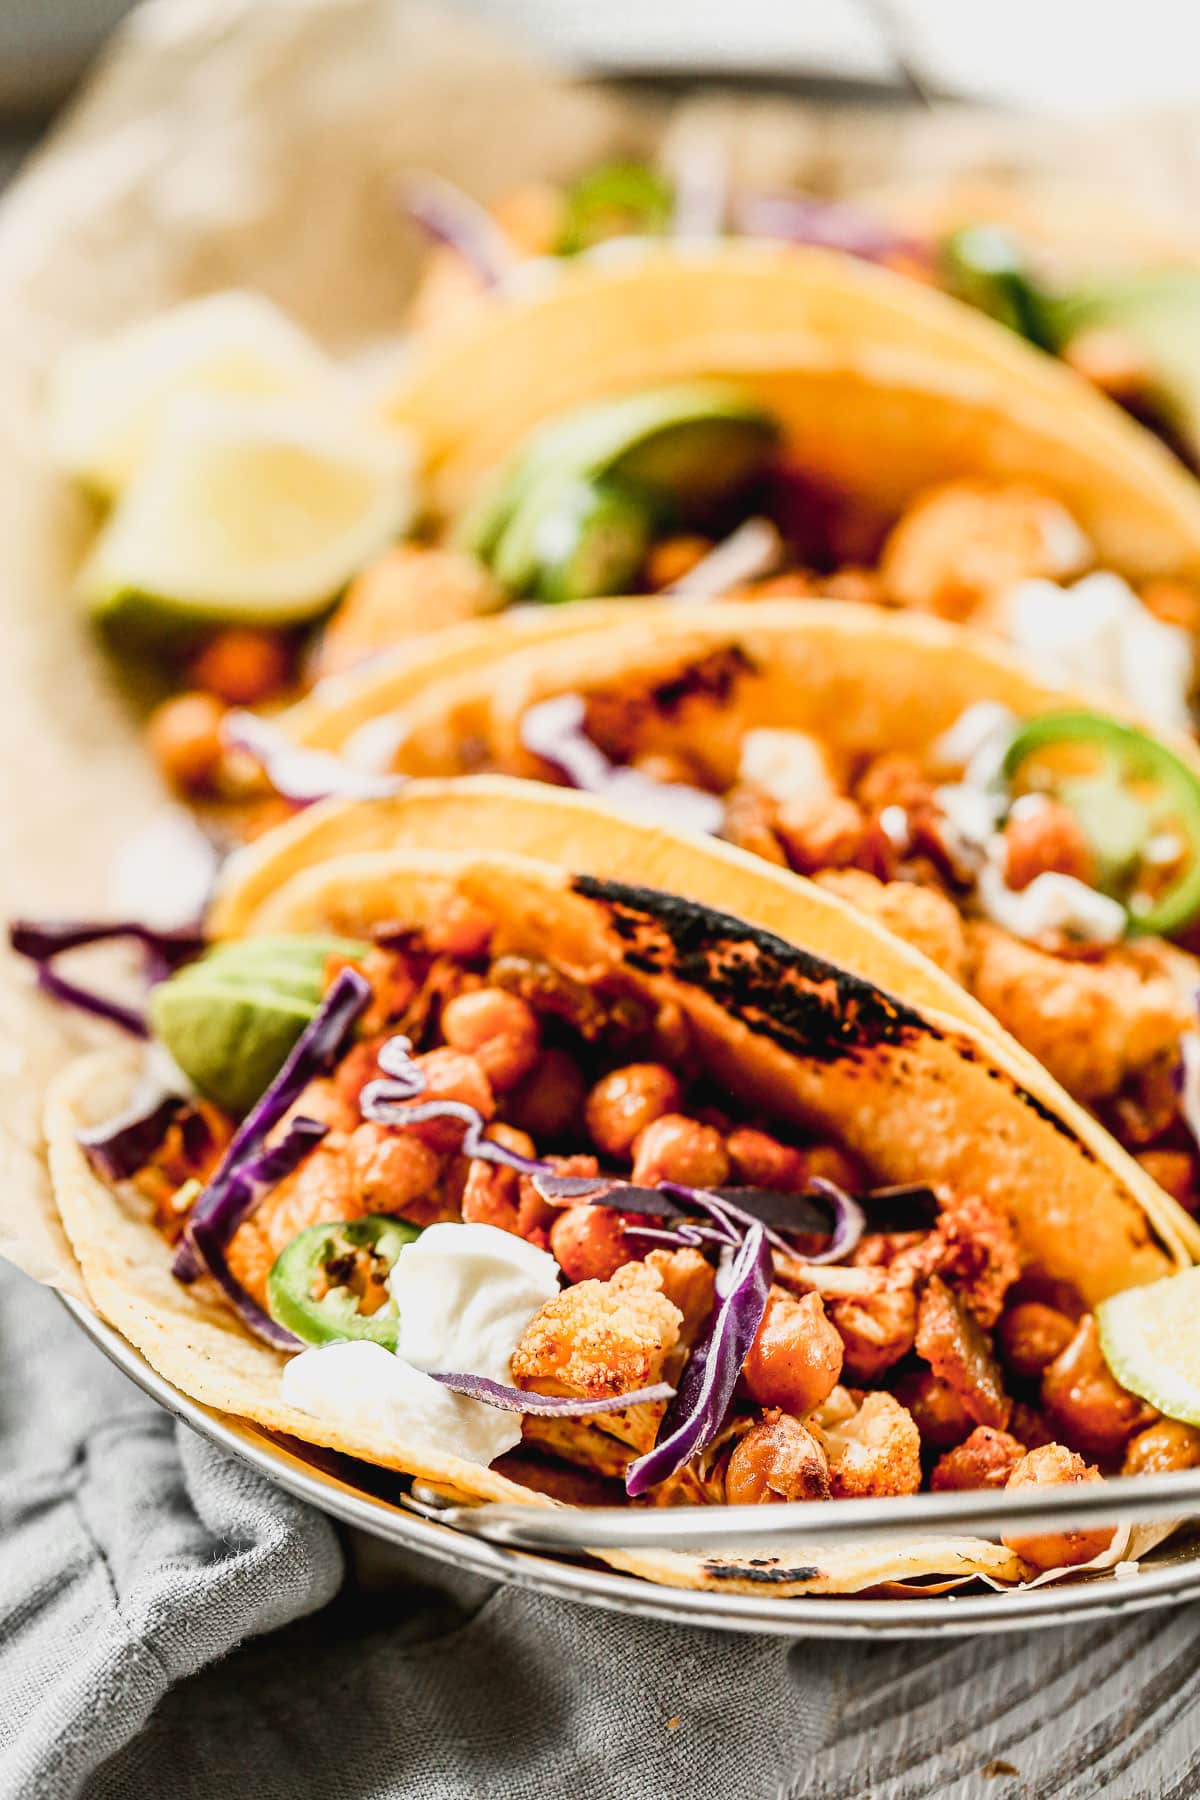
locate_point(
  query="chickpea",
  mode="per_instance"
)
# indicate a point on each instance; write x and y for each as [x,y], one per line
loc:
[1044,836]
[1053,1465]
[941,1417]
[451,1075]
[1086,1405]
[395,1172]
[184,736]
[549,1101]
[589,1243]
[242,667]
[1030,1335]
[759,1160]
[796,1357]
[625,1101]
[1170,1444]
[676,1148]
[985,1459]
[499,1029]
[462,930]
[778,1459]
[826,835]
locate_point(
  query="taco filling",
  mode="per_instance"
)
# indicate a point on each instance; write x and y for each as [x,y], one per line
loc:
[1050,865]
[505,1205]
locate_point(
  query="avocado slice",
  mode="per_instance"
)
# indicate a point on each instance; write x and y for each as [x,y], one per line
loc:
[231,1019]
[228,1038]
[574,540]
[688,448]
[1160,316]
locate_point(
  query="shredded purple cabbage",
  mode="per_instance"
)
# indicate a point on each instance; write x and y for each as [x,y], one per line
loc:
[119,1148]
[300,775]
[554,731]
[554,1406]
[237,1184]
[697,1413]
[828,224]
[256,1175]
[450,216]
[44,940]
[731,1212]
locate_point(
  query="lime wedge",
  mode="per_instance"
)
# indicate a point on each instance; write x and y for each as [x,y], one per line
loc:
[108,400]
[248,512]
[1150,1337]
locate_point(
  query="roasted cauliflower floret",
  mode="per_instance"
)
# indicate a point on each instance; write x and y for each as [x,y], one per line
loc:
[876,1328]
[920,915]
[600,1337]
[873,1445]
[965,543]
[1095,1025]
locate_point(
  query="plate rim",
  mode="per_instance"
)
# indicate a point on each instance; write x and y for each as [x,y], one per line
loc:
[799,1616]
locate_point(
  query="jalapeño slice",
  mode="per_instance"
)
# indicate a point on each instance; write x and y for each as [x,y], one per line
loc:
[330,1282]
[1136,801]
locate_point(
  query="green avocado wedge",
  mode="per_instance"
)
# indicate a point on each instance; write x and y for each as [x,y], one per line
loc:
[573,539]
[230,1019]
[1159,315]
[688,449]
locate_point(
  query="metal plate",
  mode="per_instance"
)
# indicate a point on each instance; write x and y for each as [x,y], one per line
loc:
[370,1500]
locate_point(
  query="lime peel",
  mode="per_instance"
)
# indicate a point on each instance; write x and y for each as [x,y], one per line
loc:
[1150,1338]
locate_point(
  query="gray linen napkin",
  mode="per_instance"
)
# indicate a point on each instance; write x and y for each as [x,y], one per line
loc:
[160,1640]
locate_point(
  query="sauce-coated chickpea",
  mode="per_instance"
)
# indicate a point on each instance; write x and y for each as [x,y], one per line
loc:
[1167,1445]
[549,1101]
[940,1415]
[241,666]
[625,1101]
[1053,1465]
[497,1028]
[1086,1404]
[777,1459]
[451,1075]
[184,735]
[589,1243]
[676,1148]
[796,1357]
[1030,1335]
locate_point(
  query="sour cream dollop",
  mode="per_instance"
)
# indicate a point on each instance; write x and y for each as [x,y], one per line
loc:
[790,766]
[1099,633]
[1051,903]
[465,1295]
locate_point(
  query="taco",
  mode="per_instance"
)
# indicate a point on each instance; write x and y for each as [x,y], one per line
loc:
[673,1211]
[1041,848]
[740,420]
[1075,269]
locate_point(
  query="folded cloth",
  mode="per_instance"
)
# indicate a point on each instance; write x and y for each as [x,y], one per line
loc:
[135,1559]
[130,1554]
